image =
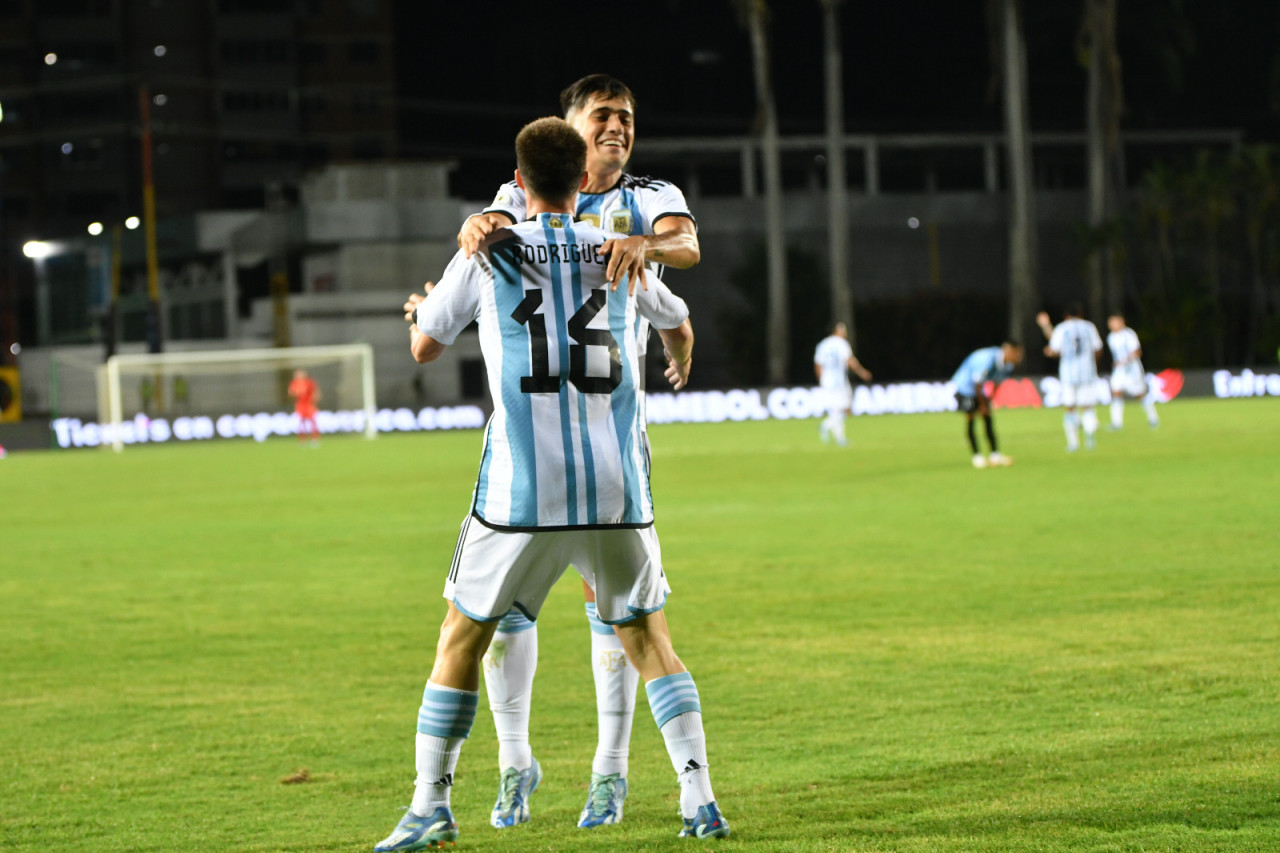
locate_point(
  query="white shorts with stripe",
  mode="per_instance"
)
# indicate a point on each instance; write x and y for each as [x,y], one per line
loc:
[495,570]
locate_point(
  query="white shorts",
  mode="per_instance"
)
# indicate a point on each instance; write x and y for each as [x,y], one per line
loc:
[495,570]
[1130,381]
[1079,395]
[838,400]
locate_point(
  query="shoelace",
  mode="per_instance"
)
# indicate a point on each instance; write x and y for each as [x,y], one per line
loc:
[507,788]
[602,793]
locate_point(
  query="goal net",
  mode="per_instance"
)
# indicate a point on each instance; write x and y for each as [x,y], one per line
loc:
[246,386]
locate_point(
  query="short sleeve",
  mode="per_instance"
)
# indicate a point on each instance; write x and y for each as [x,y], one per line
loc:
[510,201]
[454,303]
[665,200]
[660,306]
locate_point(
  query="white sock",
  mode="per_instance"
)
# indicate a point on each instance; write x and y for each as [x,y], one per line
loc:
[1090,421]
[509,667]
[1149,405]
[837,427]
[435,758]
[687,746]
[1070,425]
[616,682]
[1117,412]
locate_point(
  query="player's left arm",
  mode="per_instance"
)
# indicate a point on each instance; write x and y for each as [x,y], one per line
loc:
[673,243]
[677,345]
[856,367]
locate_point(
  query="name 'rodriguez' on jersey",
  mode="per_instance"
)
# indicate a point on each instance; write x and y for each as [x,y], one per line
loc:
[563,448]
[555,253]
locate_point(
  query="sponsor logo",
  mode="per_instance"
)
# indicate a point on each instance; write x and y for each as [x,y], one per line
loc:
[1245,384]
[592,218]
[1167,383]
[1016,394]
[72,432]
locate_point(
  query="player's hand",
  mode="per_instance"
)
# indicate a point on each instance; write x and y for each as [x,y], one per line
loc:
[626,257]
[474,230]
[677,373]
[1042,319]
[414,300]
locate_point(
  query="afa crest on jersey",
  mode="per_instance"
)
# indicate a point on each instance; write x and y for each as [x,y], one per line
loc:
[620,221]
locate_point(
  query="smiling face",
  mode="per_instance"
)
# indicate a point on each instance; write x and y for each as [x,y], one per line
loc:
[608,126]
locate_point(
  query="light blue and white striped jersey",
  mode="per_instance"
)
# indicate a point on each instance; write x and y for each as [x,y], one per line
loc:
[980,366]
[1077,343]
[1124,347]
[563,448]
[631,206]
[832,356]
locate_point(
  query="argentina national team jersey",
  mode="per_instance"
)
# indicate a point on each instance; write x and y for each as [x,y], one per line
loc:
[631,206]
[1123,344]
[563,447]
[1076,341]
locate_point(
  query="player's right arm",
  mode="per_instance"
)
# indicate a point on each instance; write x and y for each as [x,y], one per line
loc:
[508,208]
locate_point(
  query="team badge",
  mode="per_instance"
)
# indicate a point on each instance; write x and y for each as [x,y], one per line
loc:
[592,218]
[556,222]
[620,221]
[501,198]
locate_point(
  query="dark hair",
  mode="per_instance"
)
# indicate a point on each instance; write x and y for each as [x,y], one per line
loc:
[1013,344]
[1075,309]
[576,95]
[551,157]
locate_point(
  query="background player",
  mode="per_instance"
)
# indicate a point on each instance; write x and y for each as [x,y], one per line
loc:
[989,364]
[305,394]
[1128,378]
[1075,343]
[660,230]
[832,360]
[564,479]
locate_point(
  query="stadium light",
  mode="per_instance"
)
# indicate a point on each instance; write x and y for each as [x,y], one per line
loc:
[95,228]
[132,223]
[38,249]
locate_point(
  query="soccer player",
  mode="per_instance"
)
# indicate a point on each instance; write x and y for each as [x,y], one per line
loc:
[304,392]
[1075,343]
[563,478]
[1128,379]
[832,360]
[660,230]
[989,364]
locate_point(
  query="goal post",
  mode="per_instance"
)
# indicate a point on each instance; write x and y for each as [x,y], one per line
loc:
[221,382]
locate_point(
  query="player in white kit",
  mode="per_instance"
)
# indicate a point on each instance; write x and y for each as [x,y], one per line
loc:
[563,477]
[1128,378]
[654,228]
[1075,342]
[833,358]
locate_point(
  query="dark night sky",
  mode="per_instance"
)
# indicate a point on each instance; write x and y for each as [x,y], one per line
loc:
[471,78]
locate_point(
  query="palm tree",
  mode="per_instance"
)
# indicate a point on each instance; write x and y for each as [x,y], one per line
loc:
[1096,47]
[754,15]
[1005,24]
[837,190]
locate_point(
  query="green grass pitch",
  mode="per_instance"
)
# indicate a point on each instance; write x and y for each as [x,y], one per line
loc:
[895,652]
